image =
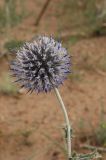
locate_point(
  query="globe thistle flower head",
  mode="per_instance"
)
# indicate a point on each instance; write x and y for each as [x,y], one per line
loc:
[41,65]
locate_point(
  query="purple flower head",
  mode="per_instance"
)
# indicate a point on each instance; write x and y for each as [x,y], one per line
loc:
[41,65]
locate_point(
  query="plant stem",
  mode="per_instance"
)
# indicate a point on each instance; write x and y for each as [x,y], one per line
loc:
[68,127]
[8,20]
[42,12]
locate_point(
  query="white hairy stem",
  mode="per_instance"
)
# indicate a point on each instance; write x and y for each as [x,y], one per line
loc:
[68,127]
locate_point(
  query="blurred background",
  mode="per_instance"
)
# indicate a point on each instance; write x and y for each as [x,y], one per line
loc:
[31,125]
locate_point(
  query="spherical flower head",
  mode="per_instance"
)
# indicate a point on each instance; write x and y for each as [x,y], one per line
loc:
[41,65]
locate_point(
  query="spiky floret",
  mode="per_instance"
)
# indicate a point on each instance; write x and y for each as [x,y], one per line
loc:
[41,65]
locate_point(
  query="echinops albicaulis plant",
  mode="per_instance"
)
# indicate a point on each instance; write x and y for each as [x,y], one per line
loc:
[43,65]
